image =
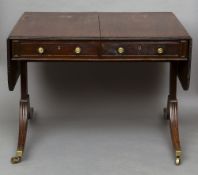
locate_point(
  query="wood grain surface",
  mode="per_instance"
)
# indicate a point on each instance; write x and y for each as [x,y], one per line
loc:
[93,25]
[158,25]
[57,25]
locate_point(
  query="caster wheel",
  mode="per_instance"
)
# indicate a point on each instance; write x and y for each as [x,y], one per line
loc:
[178,161]
[15,160]
[166,115]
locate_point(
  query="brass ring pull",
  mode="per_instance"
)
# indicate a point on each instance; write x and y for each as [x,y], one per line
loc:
[78,50]
[160,50]
[120,50]
[40,50]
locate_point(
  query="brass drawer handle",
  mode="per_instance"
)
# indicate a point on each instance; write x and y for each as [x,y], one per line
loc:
[160,50]
[78,50]
[41,50]
[120,50]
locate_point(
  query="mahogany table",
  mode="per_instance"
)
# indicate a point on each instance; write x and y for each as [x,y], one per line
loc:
[108,36]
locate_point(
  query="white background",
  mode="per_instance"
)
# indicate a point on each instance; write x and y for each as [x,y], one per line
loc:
[98,118]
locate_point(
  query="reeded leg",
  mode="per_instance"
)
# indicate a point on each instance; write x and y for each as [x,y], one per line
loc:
[25,113]
[172,113]
[174,130]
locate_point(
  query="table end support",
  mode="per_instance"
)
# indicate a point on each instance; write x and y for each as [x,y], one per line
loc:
[171,112]
[25,113]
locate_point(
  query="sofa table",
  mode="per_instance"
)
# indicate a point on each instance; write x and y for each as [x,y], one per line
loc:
[95,36]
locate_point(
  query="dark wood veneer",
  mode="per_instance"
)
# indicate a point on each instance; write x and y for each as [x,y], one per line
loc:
[144,49]
[53,49]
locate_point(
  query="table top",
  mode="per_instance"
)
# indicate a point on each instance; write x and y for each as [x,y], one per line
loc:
[99,36]
[99,25]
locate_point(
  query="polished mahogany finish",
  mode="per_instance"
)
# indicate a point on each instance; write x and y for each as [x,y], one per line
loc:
[138,25]
[172,50]
[99,36]
[24,49]
[53,25]
[94,36]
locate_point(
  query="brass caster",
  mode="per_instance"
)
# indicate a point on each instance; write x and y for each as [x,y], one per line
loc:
[178,161]
[178,157]
[16,159]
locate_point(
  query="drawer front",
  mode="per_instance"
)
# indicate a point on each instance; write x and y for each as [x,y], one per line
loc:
[53,49]
[96,50]
[155,49]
